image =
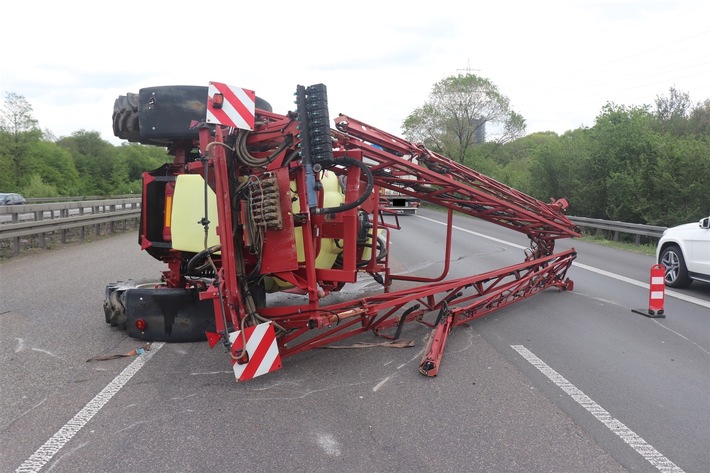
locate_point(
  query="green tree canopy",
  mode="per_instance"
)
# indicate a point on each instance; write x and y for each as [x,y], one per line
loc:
[699,120]
[54,165]
[460,112]
[97,161]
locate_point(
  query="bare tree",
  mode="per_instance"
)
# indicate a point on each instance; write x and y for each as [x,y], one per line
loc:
[676,105]
[16,116]
[699,120]
[20,128]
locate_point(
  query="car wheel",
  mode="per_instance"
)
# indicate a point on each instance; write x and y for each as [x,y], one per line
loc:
[676,272]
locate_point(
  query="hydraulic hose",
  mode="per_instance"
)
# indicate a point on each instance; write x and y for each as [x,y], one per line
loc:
[247,159]
[192,265]
[368,188]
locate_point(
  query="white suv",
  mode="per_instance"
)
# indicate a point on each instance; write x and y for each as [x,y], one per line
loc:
[685,252]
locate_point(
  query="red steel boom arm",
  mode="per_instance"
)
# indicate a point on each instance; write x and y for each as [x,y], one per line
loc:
[299,210]
[414,170]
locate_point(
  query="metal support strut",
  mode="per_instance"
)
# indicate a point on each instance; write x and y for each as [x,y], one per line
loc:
[435,347]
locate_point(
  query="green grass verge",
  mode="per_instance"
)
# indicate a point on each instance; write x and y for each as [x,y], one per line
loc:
[644,249]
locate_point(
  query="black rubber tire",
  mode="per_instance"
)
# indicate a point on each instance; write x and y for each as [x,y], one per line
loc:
[262,104]
[676,271]
[114,308]
[125,118]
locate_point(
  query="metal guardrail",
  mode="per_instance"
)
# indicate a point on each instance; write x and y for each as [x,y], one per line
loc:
[18,221]
[620,227]
[44,200]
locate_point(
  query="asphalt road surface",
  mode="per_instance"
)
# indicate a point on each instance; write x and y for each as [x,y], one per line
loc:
[561,382]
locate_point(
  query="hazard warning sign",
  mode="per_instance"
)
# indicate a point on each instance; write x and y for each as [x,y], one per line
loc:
[230,106]
[261,354]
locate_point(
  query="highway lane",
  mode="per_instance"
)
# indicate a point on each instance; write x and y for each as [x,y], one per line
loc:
[489,409]
[652,374]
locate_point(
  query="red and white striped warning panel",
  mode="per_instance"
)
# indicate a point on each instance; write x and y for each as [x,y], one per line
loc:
[262,351]
[657,288]
[655,294]
[230,106]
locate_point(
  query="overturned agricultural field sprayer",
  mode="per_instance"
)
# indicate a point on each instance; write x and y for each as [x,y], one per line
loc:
[256,202]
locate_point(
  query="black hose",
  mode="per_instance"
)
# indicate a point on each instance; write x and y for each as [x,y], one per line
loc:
[193,269]
[368,189]
[380,248]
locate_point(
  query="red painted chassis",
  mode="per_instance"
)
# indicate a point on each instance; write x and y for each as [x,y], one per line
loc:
[394,164]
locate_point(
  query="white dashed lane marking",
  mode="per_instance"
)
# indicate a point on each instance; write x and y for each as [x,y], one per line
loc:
[653,456]
[50,448]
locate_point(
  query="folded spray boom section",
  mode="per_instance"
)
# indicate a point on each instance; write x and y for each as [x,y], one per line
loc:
[256,203]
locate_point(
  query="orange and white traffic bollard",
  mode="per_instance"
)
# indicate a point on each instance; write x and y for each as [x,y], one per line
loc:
[656,294]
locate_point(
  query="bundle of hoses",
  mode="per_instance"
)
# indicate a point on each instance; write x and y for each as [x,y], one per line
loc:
[247,159]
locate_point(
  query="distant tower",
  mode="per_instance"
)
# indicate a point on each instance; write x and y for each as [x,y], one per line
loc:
[468,69]
[480,130]
[479,124]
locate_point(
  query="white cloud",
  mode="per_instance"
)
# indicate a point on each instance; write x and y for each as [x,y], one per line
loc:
[559,62]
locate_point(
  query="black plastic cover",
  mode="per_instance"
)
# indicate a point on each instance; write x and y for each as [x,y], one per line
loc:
[172,112]
[170,314]
[175,112]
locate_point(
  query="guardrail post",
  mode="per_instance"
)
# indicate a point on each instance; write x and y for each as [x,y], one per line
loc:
[38,217]
[112,224]
[97,229]
[82,230]
[63,214]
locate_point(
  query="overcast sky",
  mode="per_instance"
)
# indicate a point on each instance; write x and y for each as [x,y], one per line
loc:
[558,62]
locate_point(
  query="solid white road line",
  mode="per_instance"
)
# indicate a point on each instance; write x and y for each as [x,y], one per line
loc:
[653,456]
[50,448]
[618,277]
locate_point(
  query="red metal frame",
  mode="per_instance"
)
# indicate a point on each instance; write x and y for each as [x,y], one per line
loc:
[395,164]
